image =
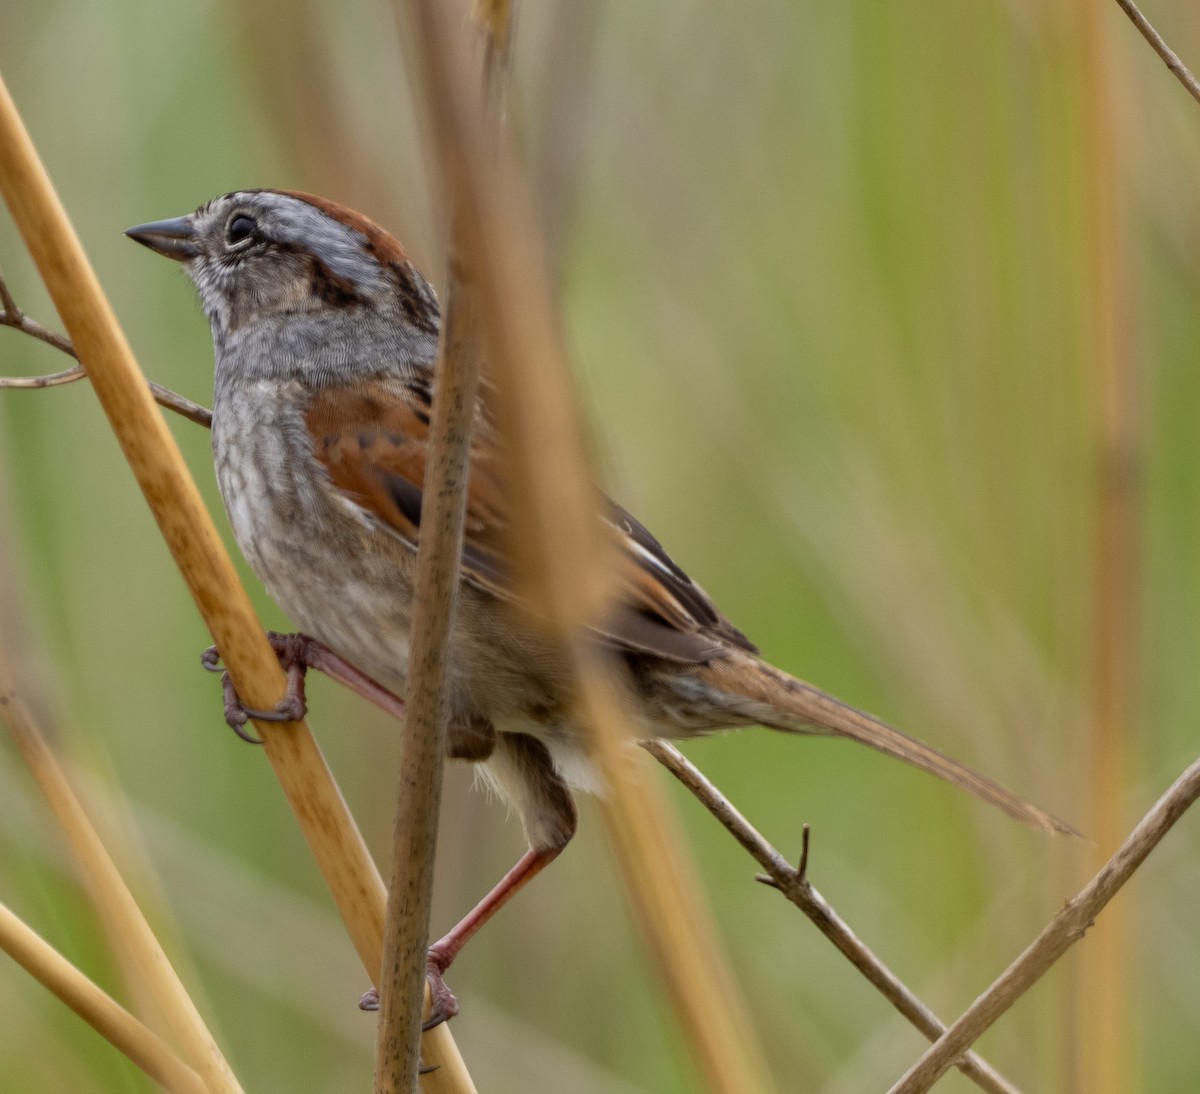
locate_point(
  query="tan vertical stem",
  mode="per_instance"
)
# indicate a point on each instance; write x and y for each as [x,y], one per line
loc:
[406,936]
[1105,1038]
[406,933]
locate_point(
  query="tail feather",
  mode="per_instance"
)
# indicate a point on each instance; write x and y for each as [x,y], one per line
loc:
[782,702]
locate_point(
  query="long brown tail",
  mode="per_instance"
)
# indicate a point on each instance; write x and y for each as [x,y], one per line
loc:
[783,702]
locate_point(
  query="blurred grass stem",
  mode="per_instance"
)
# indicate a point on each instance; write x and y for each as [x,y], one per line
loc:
[115,1024]
[126,925]
[559,553]
[1105,1061]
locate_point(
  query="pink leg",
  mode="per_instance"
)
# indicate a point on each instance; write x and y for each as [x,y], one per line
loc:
[442,1003]
[442,953]
[316,655]
[522,767]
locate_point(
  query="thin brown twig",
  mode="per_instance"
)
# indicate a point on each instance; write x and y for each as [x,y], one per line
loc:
[410,893]
[48,379]
[9,305]
[1169,57]
[13,316]
[172,400]
[793,883]
[1065,929]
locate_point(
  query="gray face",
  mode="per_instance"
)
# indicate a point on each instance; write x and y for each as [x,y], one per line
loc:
[259,254]
[296,286]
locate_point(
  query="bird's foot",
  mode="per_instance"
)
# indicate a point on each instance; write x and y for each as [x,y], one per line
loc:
[293,653]
[443,1003]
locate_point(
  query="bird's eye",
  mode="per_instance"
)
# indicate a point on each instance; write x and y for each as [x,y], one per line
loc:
[241,227]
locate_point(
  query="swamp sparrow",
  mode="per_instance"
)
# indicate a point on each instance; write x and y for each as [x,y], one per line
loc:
[326,337]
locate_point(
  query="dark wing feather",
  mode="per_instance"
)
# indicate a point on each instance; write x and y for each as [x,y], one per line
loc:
[371,440]
[657,592]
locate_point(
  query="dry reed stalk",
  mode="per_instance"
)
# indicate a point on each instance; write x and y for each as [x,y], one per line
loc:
[406,935]
[124,921]
[330,831]
[559,553]
[1104,1057]
[96,1007]
[439,554]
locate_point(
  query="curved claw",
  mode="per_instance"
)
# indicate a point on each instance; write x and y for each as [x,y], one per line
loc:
[291,708]
[443,1003]
[236,715]
[246,736]
[210,659]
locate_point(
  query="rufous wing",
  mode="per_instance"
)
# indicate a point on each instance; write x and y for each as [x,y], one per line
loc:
[372,439]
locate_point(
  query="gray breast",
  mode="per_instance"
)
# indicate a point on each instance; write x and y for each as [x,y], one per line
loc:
[336,574]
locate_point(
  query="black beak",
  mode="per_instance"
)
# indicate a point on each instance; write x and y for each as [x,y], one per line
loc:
[170,238]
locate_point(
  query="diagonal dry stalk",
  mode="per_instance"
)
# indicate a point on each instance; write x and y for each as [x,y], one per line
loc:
[112,1021]
[559,558]
[153,456]
[1065,929]
[124,921]
[794,884]
[410,892]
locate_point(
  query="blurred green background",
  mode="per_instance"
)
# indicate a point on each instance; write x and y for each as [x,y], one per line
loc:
[836,278]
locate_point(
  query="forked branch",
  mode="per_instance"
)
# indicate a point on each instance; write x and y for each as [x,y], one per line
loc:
[12,316]
[794,884]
